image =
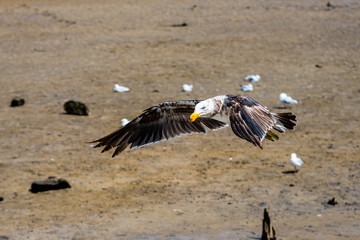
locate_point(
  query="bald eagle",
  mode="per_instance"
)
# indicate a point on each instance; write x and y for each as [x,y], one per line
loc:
[248,119]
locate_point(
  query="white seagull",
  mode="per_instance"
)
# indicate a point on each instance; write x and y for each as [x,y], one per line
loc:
[253,78]
[286,99]
[118,88]
[248,119]
[247,88]
[295,161]
[124,121]
[187,88]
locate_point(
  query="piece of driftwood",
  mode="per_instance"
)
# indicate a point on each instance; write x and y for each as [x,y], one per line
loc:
[268,231]
[52,183]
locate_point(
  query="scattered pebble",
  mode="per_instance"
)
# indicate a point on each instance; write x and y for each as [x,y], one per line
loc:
[118,88]
[178,211]
[17,101]
[253,78]
[187,88]
[286,99]
[1,199]
[124,121]
[52,183]
[247,87]
[76,108]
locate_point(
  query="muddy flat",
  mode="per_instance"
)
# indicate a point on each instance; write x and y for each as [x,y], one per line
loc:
[212,186]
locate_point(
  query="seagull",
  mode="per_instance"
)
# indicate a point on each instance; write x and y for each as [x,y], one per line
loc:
[295,161]
[124,121]
[286,99]
[119,88]
[253,78]
[187,88]
[248,119]
[247,87]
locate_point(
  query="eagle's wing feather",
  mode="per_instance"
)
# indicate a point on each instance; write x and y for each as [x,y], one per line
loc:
[164,121]
[249,119]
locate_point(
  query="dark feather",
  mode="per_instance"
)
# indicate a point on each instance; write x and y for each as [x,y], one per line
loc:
[164,121]
[252,121]
[287,119]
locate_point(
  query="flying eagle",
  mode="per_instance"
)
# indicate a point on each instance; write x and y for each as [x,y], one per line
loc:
[248,120]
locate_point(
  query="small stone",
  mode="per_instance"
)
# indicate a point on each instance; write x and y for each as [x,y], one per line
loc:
[1,199]
[76,107]
[3,237]
[52,183]
[17,101]
[332,201]
[178,211]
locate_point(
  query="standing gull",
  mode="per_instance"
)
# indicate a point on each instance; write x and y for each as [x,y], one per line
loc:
[286,99]
[253,78]
[295,161]
[247,88]
[248,119]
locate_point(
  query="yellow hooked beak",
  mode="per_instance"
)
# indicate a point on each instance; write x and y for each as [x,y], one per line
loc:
[194,116]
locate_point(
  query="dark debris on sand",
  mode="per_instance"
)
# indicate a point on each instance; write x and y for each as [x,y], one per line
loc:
[52,183]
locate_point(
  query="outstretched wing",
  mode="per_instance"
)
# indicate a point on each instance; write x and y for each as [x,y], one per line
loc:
[250,120]
[164,121]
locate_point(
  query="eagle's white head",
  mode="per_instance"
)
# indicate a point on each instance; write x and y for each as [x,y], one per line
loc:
[207,108]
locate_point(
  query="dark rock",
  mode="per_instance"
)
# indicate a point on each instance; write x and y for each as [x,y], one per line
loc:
[52,183]
[332,201]
[75,107]
[17,101]
[3,237]
[268,231]
[318,66]
[1,199]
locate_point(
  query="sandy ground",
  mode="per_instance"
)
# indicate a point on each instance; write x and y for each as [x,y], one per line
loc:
[212,186]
